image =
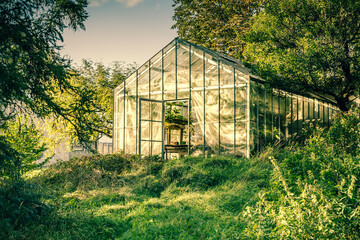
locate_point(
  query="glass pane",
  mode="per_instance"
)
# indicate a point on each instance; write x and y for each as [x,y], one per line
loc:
[131,84]
[169,96]
[197,106]
[295,112]
[226,76]
[268,115]
[321,112]
[145,110]
[306,109]
[288,115]
[156,111]
[241,103]
[241,79]
[169,72]
[143,80]
[170,47]
[253,102]
[197,139]
[119,90]
[261,124]
[182,66]
[130,112]
[156,74]
[227,105]
[227,137]
[212,106]
[276,121]
[145,148]
[211,72]
[240,140]
[311,109]
[326,114]
[253,137]
[211,138]
[197,78]
[156,131]
[282,115]
[156,148]
[120,117]
[300,112]
[183,93]
[145,130]
[120,147]
[316,109]
[130,140]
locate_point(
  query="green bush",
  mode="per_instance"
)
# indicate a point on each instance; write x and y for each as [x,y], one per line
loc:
[88,172]
[20,206]
[314,190]
[20,148]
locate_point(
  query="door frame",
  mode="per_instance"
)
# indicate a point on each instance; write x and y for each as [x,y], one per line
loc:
[163,104]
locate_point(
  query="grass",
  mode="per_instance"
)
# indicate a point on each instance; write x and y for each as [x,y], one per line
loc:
[118,197]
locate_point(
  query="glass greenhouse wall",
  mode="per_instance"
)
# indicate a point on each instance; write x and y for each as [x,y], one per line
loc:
[228,110]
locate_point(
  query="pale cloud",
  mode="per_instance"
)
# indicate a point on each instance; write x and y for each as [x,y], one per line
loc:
[157,6]
[130,3]
[97,3]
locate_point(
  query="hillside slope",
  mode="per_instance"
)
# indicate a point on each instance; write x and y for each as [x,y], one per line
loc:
[117,197]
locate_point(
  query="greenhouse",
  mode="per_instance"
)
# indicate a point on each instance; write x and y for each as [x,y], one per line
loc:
[189,100]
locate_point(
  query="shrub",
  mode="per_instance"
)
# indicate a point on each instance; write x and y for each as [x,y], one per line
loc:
[88,172]
[20,206]
[314,189]
[20,148]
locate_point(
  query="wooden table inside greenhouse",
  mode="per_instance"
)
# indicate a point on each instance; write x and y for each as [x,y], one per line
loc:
[172,148]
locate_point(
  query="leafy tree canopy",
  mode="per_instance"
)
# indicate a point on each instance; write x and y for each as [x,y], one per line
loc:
[89,103]
[309,46]
[217,25]
[31,69]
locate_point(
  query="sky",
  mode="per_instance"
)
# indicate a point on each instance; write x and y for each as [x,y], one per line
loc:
[121,30]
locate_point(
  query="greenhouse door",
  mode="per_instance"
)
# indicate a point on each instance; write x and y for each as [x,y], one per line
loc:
[151,127]
[177,128]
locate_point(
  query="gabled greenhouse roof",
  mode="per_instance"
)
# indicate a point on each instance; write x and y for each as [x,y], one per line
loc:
[216,56]
[236,63]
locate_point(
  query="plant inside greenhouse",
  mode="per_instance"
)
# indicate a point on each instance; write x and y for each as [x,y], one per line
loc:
[173,115]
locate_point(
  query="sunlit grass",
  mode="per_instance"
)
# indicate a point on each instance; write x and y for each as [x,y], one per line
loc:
[191,198]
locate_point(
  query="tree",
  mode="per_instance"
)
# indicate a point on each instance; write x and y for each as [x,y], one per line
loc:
[91,102]
[308,46]
[217,25]
[31,68]
[24,147]
[33,75]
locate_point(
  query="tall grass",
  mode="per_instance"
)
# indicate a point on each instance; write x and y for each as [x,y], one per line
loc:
[118,197]
[307,191]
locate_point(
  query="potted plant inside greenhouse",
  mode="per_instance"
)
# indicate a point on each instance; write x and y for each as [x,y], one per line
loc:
[176,123]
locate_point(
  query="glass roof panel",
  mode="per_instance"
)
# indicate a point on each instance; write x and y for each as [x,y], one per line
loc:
[119,89]
[131,84]
[182,66]
[197,69]
[170,47]
[143,79]
[156,74]
[169,70]
[211,72]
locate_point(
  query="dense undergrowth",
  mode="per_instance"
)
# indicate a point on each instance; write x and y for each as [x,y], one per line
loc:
[116,196]
[301,191]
